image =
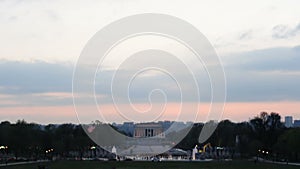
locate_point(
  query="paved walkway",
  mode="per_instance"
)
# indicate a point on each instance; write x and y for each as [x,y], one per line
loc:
[282,163]
[25,162]
[41,161]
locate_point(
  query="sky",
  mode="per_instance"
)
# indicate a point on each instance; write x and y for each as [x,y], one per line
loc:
[258,43]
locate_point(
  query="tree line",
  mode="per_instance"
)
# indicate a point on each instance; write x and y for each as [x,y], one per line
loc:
[265,133]
[32,140]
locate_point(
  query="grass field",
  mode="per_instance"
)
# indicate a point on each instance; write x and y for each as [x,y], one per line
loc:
[151,165]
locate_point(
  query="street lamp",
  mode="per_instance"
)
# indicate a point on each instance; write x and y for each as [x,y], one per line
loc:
[93,151]
[3,147]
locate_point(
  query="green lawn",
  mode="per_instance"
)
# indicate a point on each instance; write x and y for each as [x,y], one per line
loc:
[151,165]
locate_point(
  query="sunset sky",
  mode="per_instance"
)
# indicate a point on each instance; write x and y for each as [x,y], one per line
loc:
[258,43]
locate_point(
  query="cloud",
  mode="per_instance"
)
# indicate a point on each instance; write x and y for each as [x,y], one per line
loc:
[285,31]
[246,35]
[35,83]
[283,59]
[262,75]
[37,77]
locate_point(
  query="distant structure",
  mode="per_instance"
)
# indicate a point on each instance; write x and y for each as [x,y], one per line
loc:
[143,130]
[288,121]
[296,123]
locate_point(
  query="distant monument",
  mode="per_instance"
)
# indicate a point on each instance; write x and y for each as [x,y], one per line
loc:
[114,151]
[195,150]
[144,130]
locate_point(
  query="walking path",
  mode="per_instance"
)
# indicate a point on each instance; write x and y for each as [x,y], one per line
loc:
[25,162]
[282,163]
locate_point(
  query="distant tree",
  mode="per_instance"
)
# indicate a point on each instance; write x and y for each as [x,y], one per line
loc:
[244,135]
[5,131]
[262,132]
[267,128]
[287,145]
[191,139]
[63,140]
[81,140]
[225,134]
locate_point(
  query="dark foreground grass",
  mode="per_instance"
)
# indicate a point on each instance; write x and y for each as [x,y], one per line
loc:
[151,165]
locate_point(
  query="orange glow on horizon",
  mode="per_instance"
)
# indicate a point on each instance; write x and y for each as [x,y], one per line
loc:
[234,111]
